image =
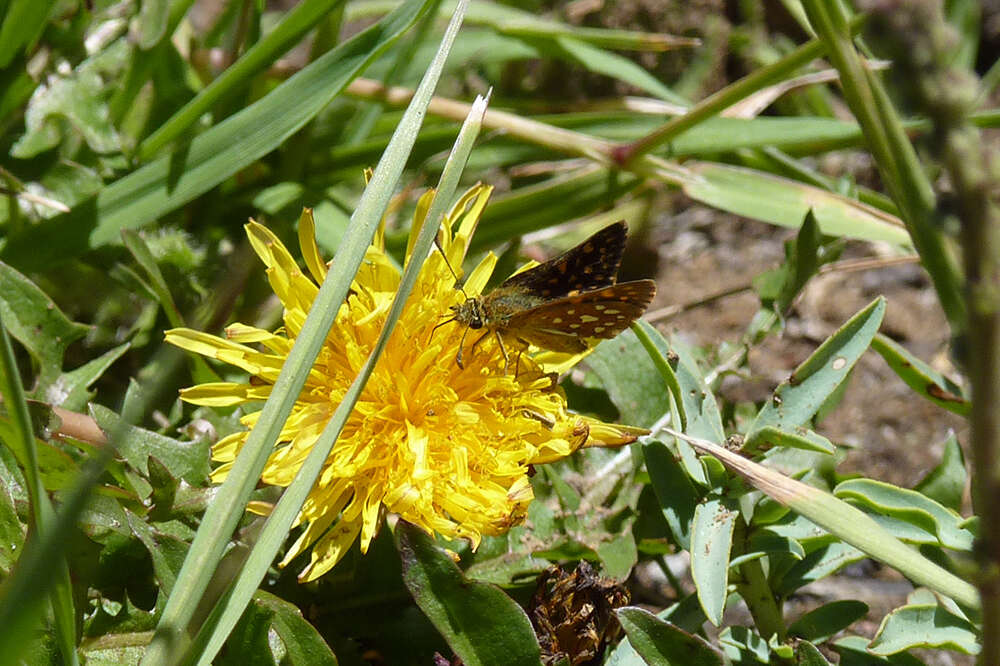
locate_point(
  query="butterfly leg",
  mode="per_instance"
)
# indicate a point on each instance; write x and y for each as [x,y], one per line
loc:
[461,346]
[517,363]
[472,349]
[503,350]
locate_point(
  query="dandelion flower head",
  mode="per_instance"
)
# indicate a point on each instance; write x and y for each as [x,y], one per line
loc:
[444,447]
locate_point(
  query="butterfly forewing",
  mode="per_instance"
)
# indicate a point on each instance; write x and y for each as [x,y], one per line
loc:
[562,303]
[590,265]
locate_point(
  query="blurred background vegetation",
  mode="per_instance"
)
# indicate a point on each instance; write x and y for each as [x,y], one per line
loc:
[770,191]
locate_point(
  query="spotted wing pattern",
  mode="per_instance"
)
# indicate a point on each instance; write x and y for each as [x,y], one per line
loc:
[590,265]
[563,324]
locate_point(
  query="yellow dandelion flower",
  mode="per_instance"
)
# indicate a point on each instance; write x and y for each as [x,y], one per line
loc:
[445,448]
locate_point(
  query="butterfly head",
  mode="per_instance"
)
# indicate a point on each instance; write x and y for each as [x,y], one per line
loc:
[470,313]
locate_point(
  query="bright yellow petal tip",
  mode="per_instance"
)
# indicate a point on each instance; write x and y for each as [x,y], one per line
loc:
[445,448]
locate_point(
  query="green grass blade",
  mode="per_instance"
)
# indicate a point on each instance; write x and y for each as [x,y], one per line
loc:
[171,638]
[722,99]
[899,166]
[287,33]
[22,25]
[34,574]
[24,600]
[280,521]
[171,181]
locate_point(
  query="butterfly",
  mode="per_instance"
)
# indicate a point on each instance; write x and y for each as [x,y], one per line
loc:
[557,305]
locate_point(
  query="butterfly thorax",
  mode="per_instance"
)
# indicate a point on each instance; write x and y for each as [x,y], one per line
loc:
[495,308]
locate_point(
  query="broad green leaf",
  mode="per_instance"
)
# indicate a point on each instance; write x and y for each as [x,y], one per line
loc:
[711,544]
[803,260]
[569,498]
[677,495]
[796,400]
[659,354]
[163,488]
[853,651]
[924,626]
[743,645]
[301,644]
[921,377]
[213,156]
[799,438]
[816,565]
[75,100]
[821,623]
[663,644]
[619,554]
[166,551]
[249,642]
[152,22]
[481,624]
[946,482]
[904,531]
[115,621]
[784,202]
[104,518]
[187,460]
[807,654]
[703,417]
[908,506]
[697,408]
[12,531]
[626,372]
[847,522]
[506,569]
[34,320]
[686,614]
[777,288]
[765,542]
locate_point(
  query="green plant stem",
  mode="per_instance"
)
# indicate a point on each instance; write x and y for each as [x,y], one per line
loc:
[923,44]
[726,97]
[981,240]
[897,160]
[759,598]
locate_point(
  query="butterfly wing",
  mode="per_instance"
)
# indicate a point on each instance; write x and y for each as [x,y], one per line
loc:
[563,324]
[590,265]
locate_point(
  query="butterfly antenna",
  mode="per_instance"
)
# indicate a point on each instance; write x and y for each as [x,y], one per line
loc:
[447,263]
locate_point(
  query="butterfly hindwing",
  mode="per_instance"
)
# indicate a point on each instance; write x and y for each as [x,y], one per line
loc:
[561,324]
[590,265]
